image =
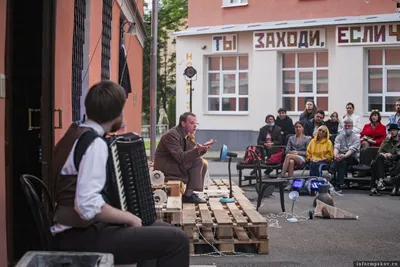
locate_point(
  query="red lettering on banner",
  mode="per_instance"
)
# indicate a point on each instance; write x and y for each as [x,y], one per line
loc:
[227,44]
[380,33]
[260,36]
[270,40]
[341,35]
[314,38]
[396,32]
[290,42]
[281,39]
[188,56]
[368,34]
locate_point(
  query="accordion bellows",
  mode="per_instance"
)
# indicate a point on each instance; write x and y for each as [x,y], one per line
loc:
[130,176]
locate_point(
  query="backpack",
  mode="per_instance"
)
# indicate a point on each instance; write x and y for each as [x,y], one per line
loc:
[249,157]
[276,158]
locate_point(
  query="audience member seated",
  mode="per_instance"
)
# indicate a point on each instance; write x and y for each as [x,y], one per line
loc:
[333,123]
[394,118]
[270,134]
[319,150]
[346,153]
[387,156]
[350,115]
[296,150]
[285,123]
[309,112]
[311,126]
[395,171]
[373,133]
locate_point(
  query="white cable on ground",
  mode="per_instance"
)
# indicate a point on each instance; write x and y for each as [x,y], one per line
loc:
[216,253]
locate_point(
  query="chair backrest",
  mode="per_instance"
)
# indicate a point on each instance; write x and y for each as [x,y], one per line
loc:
[368,155]
[40,207]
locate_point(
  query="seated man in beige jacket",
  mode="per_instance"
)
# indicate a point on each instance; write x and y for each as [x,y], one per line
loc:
[180,158]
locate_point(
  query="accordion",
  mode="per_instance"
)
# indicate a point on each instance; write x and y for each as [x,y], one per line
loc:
[130,178]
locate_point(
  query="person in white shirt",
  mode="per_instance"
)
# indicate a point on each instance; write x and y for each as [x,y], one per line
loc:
[85,218]
[357,126]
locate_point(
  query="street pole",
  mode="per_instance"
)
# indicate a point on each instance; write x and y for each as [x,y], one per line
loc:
[153,78]
[190,95]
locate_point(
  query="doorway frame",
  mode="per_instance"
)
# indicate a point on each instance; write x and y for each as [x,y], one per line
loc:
[47,108]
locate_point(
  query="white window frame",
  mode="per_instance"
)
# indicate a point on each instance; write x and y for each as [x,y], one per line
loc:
[221,86]
[230,3]
[384,93]
[311,95]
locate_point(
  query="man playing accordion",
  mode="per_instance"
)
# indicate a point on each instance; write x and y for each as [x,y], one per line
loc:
[84,219]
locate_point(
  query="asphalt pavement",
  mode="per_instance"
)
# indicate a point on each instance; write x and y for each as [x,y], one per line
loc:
[375,236]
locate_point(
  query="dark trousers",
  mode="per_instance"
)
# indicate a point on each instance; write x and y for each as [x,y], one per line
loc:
[340,168]
[395,174]
[160,244]
[316,168]
[378,167]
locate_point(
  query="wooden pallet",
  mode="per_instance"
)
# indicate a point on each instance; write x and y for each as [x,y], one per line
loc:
[225,225]
[171,211]
[172,188]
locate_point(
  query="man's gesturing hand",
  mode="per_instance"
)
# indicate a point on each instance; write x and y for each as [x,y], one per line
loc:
[210,142]
[202,148]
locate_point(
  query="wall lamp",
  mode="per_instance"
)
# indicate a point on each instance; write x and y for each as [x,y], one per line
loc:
[132,27]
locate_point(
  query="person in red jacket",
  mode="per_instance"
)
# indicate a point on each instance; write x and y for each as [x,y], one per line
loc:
[373,133]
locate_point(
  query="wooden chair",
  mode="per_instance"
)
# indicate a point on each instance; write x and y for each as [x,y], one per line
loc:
[40,207]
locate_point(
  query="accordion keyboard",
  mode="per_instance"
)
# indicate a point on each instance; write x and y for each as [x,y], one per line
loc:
[118,177]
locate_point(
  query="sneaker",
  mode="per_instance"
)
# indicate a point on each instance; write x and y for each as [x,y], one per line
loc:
[380,186]
[353,184]
[288,187]
[338,189]
[374,192]
[194,198]
[268,171]
[394,191]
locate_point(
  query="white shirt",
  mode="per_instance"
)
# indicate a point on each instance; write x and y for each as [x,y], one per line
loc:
[91,177]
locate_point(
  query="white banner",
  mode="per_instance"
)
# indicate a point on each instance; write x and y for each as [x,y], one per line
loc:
[289,39]
[368,34]
[224,43]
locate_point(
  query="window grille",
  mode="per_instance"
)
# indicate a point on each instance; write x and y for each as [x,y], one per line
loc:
[106,40]
[77,57]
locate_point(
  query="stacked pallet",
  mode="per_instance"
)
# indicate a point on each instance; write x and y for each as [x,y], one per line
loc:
[170,210]
[224,225]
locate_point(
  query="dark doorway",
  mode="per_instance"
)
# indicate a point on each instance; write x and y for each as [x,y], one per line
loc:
[29,68]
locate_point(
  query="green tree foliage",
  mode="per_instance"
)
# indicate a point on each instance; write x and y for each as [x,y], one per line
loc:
[171,17]
[172,111]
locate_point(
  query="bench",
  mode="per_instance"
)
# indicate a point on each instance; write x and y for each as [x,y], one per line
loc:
[240,166]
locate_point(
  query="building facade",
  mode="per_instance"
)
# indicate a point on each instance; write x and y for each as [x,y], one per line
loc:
[50,56]
[253,57]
